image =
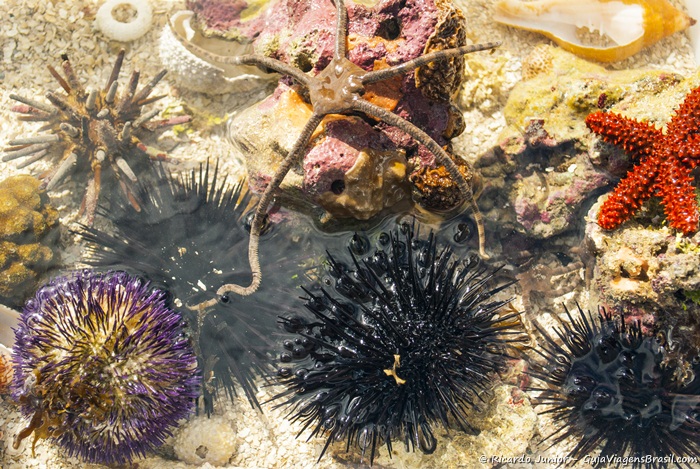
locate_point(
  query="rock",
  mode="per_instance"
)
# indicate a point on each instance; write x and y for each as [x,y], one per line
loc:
[651,275]
[206,439]
[380,34]
[548,165]
[28,236]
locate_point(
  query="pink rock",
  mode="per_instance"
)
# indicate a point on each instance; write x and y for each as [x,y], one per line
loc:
[302,33]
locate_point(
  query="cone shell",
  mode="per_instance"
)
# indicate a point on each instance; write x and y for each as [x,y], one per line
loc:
[630,25]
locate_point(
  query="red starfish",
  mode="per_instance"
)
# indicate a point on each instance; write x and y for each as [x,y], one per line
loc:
[665,162]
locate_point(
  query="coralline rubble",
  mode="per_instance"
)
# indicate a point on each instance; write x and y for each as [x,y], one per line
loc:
[644,268]
[380,35]
[28,237]
[551,168]
[650,274]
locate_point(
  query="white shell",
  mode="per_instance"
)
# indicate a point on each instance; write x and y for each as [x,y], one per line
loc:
[124,32]
[693,7]
[194,73]
[9,319]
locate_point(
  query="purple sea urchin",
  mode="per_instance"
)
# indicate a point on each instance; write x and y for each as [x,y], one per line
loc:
[102,366]
[404,337]
[95,131]
[188,236]
[607,388]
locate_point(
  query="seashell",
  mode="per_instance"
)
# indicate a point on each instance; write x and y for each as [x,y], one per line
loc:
[197,74]
[124,31]
[624,27]
[693,7]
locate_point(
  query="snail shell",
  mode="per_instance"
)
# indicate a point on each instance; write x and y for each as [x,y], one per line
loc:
[628,26]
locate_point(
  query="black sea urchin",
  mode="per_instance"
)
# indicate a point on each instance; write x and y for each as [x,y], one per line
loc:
[96,132]
[406,337]
[103,366]
[189,236]
[607,389]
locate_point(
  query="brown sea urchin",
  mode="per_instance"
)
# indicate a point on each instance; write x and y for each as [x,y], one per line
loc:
[339,89]
[95,132]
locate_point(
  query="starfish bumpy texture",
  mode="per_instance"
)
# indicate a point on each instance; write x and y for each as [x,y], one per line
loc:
[95,130]
[338,89]
[665,160]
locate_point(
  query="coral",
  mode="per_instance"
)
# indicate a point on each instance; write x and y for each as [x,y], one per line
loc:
[95,132]
[188,237]
[28,236]
[616,30]
[124,29]
[436,187]
[206,440]
[665,160]
[341,86]
[102,366]
[606,387]
[405,337]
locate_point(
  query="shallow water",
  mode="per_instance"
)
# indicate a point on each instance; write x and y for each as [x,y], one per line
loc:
[550,272]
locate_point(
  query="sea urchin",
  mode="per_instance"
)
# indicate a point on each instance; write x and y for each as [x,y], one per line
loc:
[189,236]
[102,366]
[403,338]
[96,131]
[607,388]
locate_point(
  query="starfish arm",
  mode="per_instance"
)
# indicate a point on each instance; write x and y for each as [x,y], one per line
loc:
[688,150]
[629,194]
[250,59]
[686,118]
[675,186]
[378,75]
[440,155]
[341,30]
[261,211]
[636,138]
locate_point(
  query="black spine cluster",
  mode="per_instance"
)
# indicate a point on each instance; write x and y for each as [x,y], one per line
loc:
[608,389]
[189,236]
[403,338]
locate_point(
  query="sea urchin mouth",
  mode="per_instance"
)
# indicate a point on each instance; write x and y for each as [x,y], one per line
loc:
[103,367]
[608,388]
[406,337]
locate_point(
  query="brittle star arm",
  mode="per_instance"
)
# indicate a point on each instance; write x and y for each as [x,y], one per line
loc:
[259,61]
[441,155]
[341,29]
[378,75]
[253,257]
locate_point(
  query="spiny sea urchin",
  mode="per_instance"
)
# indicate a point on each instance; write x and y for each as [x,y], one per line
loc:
[102,366]
[189,236]
[404,337]
[95,132]
[607,388]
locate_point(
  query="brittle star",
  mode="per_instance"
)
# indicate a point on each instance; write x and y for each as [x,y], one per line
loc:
[338,89]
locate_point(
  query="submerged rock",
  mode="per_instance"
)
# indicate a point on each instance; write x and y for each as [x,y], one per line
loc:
[380,34]
[28,235]
[551,163]
[651,275]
